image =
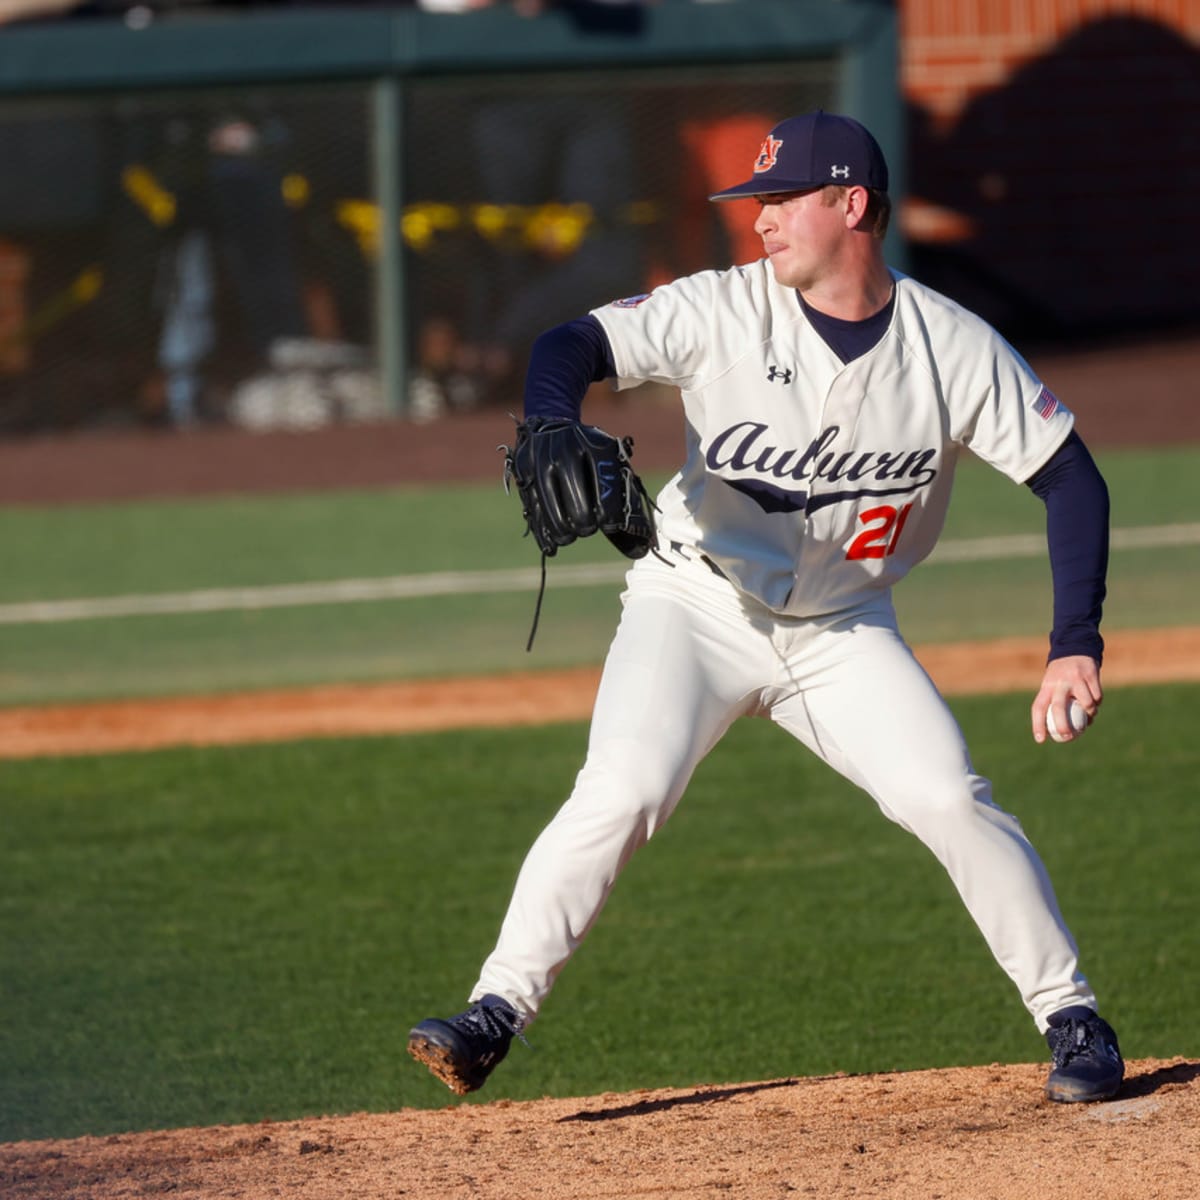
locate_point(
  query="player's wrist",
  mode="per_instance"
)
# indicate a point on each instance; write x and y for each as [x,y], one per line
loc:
[1093,650]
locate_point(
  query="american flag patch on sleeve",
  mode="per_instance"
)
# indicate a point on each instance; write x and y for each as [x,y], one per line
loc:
[1046,405]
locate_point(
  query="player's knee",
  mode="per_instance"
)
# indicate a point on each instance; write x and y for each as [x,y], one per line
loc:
[948,801]
[623,787]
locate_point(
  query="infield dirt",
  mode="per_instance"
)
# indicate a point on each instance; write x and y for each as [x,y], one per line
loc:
[525,698]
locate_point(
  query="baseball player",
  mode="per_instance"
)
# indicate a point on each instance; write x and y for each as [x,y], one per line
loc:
[827,399]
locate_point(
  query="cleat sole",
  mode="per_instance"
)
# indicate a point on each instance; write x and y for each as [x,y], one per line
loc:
[440,1061]
[1078,1093]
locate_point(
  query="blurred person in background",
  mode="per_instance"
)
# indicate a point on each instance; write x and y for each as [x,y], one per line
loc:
[231,238]
[564,165]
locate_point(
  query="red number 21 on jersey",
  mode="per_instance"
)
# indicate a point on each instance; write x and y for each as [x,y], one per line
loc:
[881,535]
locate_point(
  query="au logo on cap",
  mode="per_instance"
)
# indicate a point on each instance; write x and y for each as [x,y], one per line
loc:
[767,154]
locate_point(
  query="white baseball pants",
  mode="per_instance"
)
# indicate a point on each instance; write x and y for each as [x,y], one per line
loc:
[692,654]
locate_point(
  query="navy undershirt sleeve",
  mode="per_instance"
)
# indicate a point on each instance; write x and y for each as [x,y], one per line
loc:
[564,362]
[1076,499]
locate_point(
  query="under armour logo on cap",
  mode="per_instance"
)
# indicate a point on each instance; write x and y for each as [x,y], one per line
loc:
[811,151]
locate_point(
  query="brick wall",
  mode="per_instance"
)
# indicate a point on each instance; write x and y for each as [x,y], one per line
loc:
[953,49]
[1055,158]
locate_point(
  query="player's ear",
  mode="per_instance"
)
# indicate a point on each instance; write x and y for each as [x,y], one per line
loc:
[856,201]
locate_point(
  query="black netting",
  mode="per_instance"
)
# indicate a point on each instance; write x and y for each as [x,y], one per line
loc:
[213,256]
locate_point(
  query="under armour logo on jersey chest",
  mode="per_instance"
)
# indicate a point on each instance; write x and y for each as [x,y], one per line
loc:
[779,374]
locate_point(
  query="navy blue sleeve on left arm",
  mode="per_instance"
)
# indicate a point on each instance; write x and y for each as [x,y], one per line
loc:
[1077,510]
[564,362]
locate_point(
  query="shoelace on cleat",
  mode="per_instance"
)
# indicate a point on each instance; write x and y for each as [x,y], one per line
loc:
[492,1023]
[1070,1040]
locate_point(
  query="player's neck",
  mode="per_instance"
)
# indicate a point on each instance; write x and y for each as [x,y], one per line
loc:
[852,295]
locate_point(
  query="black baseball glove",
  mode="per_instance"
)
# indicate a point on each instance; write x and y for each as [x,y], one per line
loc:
[575,480]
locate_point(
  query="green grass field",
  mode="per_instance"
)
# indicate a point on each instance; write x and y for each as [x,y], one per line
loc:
[204,936]
[197,937]
[120,549]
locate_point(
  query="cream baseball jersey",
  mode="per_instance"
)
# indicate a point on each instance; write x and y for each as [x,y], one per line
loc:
[811,483]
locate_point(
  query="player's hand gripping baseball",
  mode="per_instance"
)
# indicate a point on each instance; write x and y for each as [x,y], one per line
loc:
[1076,677]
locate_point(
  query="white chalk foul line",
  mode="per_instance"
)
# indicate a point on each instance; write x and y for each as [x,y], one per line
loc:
[293,595]
[1033,545]
[459,583]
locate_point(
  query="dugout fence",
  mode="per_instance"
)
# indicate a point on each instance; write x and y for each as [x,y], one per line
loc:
[285,220]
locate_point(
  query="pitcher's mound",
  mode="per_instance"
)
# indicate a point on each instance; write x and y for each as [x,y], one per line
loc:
[983,1133]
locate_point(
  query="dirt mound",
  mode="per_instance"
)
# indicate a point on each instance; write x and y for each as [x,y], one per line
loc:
[961,1133]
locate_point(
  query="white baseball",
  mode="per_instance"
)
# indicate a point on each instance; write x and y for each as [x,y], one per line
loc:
[1076,714]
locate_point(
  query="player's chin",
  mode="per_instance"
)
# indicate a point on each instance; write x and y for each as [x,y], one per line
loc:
[780,276]
[787,274]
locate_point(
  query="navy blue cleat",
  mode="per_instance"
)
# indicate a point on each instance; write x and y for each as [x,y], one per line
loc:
[1087,1061]
[462,1051]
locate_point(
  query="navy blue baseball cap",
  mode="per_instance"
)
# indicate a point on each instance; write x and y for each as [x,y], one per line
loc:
[810,151]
